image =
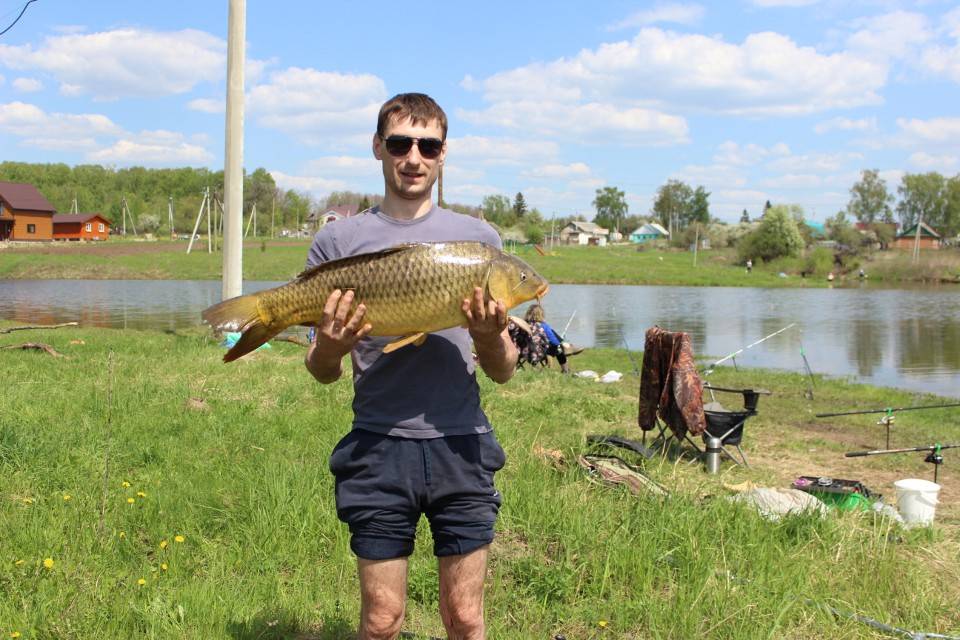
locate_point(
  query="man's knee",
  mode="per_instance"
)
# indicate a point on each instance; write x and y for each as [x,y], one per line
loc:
[463,619]
[381,622]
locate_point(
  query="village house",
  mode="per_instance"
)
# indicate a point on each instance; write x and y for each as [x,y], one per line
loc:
[649,232]
[318,219]
[579,232]
[24,213]
[929,239]
[80,226]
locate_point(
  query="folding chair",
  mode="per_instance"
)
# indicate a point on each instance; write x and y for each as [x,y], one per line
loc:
[728,425]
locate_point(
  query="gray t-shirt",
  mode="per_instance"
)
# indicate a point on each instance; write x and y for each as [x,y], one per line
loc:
[428,391]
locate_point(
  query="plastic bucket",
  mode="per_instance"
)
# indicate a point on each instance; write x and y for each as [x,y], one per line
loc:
[917,500]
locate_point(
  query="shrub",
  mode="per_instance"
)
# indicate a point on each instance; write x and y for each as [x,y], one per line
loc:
[777,236]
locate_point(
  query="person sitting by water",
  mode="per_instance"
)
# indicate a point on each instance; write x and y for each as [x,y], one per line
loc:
[537,340]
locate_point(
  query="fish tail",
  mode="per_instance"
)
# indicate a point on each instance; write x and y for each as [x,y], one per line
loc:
[240,314]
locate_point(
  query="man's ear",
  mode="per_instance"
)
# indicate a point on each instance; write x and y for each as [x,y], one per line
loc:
[376,147]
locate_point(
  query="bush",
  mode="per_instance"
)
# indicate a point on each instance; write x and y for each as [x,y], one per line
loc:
[777,236]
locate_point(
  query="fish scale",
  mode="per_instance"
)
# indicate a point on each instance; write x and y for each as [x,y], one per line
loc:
[407,290]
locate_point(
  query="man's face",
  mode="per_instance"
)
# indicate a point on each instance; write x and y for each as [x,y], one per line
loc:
[412,176]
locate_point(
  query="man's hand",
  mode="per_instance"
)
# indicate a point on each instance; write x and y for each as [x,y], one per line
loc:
[337,334]
[487,323]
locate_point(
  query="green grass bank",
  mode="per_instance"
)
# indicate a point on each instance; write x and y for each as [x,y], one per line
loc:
[621,264]
[178,497]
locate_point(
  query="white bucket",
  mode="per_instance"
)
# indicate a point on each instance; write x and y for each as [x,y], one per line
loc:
[917,500]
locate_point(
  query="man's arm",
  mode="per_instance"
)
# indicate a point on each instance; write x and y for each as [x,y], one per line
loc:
[487,324]
[337,334]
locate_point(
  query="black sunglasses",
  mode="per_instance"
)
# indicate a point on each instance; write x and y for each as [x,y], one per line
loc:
[399,146]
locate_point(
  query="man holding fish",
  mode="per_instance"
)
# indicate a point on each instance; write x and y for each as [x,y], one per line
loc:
[420,442]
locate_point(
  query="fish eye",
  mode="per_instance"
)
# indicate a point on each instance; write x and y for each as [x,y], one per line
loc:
[523,276]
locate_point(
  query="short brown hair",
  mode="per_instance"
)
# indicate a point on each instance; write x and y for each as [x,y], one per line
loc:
[418,107]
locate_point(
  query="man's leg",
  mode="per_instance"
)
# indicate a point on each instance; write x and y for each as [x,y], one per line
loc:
[461,594]
[383,595]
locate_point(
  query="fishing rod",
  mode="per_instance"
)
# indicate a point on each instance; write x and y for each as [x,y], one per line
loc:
[563,335]
[636,369]
[888,419]
[806,365]
[933,457]
[739,351]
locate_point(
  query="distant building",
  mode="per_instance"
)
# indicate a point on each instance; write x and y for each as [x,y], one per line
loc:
[578,232]
[317,219]
[929,239]
[648,232]
[80,226]
[24,213]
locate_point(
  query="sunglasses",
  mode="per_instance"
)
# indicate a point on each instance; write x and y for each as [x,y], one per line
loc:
[399,146]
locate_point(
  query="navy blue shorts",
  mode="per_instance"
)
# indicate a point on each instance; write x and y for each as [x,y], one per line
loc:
[384,484]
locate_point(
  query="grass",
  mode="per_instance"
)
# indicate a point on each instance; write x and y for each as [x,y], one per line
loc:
[233,459]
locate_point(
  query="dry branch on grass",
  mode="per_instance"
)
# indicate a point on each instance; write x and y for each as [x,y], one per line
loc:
[41,326]
[38,346]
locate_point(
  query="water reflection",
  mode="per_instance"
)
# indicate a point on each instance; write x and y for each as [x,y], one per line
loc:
[905,338]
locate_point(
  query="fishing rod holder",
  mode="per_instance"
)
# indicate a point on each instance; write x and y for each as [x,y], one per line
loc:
[933,457]
[887,422]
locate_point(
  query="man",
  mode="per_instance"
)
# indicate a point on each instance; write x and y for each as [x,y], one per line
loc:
[420,443]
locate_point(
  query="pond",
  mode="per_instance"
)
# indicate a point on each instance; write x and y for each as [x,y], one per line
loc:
[907,338]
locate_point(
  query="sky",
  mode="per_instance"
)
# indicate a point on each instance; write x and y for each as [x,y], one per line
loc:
[755,100]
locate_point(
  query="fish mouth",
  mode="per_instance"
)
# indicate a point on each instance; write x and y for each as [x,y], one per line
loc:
[542,291]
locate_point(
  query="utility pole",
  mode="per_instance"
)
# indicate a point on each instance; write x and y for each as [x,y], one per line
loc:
[916,241]
[440,188]
[273,213]
[173,234]
[233,153]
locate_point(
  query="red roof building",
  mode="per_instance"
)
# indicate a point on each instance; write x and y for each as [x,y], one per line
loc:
[80,226]
[24,213]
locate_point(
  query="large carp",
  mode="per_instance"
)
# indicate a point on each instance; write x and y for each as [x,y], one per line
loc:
[408,291]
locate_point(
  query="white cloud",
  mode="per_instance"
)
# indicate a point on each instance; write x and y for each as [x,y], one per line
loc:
[712,176]
[815,162]
[935,131]
[27,85]
[793,181]
[730,152]
[894,35]
[586,122]
[558,171]
[846,124]
[53,131]
[348,166]
[152,148]
[766,74]
[499,151]
[932,162]
[783,3]
[314,185]
[124,62]
[686,14]
[319,107]
[207,105]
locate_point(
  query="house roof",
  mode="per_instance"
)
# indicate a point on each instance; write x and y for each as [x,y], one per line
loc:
[23,196]
[588,227]
[63,218]
[652,228]
[925,230]
[341,211]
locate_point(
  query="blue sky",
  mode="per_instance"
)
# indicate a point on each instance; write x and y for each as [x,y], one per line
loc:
[756,100]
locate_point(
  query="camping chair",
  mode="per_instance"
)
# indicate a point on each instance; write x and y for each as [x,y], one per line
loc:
[671,399]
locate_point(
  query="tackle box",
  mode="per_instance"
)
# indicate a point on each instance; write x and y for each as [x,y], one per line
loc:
[846,495]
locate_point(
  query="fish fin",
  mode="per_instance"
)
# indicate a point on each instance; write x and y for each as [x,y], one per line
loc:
[329,264]
[414,338]
[239,314]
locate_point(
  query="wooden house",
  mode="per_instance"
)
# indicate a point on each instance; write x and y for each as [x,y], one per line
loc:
[579,232]
[318,219]
[929,239]
[649,232]
[24,213]
[80,226]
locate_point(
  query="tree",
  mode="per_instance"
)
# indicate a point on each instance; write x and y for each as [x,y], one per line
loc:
[149,223]
[519,206]
[699,209]
[839,229]
[869,199]
[497,210]
[364,204]
[766,207]
[923,196]
[777,236]
[672,201]
[611,206]
[744,217]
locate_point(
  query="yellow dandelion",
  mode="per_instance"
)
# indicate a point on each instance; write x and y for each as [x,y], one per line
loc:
[124,484]
[163,544]
[163,566]
[18,563]
[178,538]
[130,500]
[48,563]
[67,497]
[28,501]
[14,634]
[123,534]
[602,624]
[141,494]
[141,582]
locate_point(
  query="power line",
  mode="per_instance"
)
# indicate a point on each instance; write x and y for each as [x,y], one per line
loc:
[22,11]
